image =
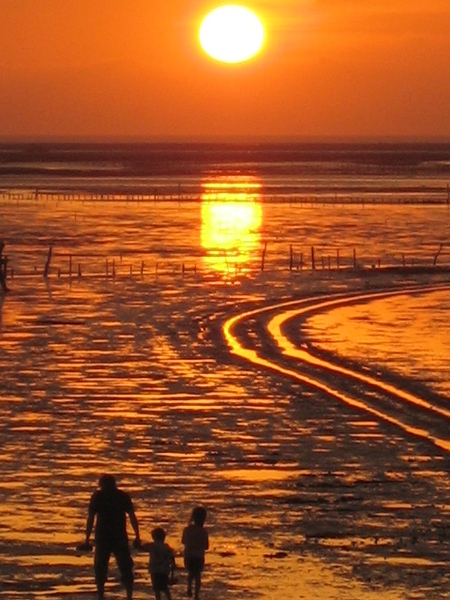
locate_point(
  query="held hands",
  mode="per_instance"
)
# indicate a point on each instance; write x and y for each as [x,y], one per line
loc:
[87,546]
[137,544]
[84,547]
[140,547]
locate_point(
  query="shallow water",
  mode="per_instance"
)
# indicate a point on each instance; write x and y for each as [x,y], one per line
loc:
[126,370]
[224,237]
[407,334]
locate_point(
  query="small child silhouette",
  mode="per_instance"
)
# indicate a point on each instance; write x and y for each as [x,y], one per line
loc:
[161,563]
[196,541]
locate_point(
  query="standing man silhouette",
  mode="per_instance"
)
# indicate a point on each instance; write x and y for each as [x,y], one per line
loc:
[109,507]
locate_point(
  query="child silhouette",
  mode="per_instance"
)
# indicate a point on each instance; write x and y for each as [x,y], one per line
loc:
[161,563]
[196,541]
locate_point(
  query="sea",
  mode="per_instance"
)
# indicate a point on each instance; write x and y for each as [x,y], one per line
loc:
[213,207]
[273,172]
[124,262]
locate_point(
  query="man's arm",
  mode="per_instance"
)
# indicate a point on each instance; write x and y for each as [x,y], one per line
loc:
[135,526]
[89,525]
[86,546]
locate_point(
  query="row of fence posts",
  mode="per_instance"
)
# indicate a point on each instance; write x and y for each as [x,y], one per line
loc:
[110,269]
[300,263]
[179,196]
[110,266]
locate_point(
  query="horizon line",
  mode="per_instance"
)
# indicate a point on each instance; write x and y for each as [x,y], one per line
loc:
[238,139]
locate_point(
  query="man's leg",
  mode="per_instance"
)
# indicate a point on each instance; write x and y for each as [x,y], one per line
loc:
[100,590]
[198,582]
[125,565]
[189,584]
[101,560]
[129,590]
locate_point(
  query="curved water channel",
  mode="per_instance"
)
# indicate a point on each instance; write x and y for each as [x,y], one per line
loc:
[355,387]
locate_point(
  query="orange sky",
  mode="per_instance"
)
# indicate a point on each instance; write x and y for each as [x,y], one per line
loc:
[127,68]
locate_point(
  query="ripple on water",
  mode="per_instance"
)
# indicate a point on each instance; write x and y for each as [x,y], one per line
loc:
[101,375]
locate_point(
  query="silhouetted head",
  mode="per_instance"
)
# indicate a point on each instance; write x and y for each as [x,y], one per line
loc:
[158,534]
[107,483]
[198,515]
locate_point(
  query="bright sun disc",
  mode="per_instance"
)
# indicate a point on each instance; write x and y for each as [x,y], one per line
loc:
[231,33]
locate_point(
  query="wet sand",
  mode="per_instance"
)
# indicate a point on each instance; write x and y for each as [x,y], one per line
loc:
[307,497]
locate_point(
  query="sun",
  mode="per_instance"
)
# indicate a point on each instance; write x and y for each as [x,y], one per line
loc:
[231,33]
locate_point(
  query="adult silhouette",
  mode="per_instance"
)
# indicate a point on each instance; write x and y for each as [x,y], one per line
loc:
[108,508]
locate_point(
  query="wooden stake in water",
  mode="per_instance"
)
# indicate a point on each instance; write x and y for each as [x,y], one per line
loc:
[3,267]
[263,256]
[437,254]
[47,264]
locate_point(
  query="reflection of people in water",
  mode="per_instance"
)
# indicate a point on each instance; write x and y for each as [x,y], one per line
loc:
[108,507]
[196,542]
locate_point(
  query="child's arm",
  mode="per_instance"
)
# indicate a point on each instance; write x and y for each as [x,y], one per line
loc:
[145,547]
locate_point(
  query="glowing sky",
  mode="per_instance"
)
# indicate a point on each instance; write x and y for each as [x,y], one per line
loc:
[121,68]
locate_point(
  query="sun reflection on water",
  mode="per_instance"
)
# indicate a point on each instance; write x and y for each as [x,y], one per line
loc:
[231,221]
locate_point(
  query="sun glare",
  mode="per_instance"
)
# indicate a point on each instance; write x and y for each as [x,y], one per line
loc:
[231,34]
[231,222]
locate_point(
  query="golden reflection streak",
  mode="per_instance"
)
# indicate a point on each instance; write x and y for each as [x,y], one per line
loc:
[275,325]
[252,356]
[231,216]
